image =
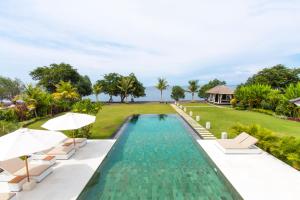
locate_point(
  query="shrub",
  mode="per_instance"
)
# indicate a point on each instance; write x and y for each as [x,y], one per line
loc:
[8,126]
[267,112]
[22,112]
[8,115]
[233,102]
[285,148]
[84,132]
[251,96]
[286,108]
[86,106]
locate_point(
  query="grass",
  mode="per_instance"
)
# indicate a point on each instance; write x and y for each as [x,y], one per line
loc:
[111,116]
[223,118]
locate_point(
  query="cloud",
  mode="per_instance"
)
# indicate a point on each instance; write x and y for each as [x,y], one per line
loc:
[179,40]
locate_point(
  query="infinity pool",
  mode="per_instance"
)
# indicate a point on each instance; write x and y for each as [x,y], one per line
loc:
[156,157]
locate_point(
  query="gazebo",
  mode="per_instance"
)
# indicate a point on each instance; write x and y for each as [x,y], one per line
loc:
[220,94]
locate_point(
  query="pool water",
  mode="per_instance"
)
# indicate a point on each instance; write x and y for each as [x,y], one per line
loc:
[156,157]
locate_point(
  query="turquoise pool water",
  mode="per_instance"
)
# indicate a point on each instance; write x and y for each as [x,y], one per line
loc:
[156,157]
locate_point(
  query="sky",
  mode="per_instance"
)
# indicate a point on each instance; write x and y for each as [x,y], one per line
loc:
[175,39]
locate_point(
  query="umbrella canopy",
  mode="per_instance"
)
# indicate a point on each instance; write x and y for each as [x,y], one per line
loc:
[23,142]
[69,121]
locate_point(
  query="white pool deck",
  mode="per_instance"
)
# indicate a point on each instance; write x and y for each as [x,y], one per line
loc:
[69,176]
[256,176]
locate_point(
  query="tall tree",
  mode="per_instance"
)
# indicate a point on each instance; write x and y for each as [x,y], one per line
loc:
[193,87]
[177,93]
[209,85]
[125,86]
[97,89]
[110,84]
[84,86]
[50,76]
[278,77]
[9,88]
[161,85]
[137,90]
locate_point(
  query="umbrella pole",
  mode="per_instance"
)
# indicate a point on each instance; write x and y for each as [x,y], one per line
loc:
[27,171]
[74,138]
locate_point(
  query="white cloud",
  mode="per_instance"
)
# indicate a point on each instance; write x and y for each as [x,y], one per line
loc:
[176,39]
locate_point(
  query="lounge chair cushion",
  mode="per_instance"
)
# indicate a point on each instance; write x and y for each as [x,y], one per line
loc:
[12,165]
[241,137]
[34,170]
[7,196]
[77,140]
[247,143]
[61,150]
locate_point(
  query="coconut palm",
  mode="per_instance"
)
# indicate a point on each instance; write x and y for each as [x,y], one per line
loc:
[161,85]
[97,89]
[125,85]
[65,94]
[193,87]
[65,91]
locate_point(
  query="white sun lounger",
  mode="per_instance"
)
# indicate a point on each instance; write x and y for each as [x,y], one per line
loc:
[8,196]
[16,167]
[61,152]
[80,142]
[242,144]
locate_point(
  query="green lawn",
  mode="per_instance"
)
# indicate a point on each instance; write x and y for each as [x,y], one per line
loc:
[223,118]
[110,117]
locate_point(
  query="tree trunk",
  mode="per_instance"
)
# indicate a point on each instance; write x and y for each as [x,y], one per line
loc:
[193,96]
[161,99]
[97,100]
[110,98]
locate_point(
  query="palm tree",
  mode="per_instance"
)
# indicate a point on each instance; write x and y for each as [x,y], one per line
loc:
[65,94]
[97,89]
[125,85]
[161,85]
[66,91]
[193,87]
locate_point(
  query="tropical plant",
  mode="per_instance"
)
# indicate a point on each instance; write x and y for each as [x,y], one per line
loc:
[86,106]
[177,93]
[251,96]
[125,86]
[161,85]
[193,87]
[65,94]
[97,89]
[209,85]
[8,127]
[8,115]
[36,99]
[292,91]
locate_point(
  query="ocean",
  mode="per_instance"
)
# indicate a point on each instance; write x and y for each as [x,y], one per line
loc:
[152,94]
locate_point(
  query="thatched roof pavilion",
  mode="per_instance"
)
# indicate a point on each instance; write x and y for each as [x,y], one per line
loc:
[220,94]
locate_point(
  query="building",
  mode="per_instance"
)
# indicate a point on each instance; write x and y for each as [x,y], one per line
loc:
[220,94]
[296,101]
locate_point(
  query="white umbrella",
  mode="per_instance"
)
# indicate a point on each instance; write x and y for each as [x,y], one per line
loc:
[24,142]
[69,121]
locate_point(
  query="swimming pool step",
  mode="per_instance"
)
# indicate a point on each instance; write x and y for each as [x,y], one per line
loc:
[200,130]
